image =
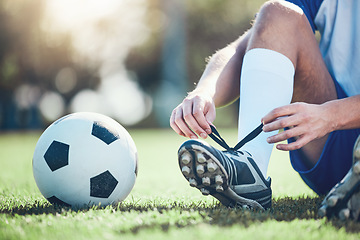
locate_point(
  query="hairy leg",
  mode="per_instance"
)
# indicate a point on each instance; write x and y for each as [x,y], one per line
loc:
[283,27]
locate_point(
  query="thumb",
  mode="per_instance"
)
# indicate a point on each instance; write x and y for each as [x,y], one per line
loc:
[210,115]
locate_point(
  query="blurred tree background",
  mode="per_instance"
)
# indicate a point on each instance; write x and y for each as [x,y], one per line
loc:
[133,60]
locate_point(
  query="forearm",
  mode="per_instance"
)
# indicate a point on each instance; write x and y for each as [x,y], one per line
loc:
[345,113]
[221,78]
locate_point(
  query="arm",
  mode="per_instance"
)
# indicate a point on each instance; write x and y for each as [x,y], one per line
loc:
[219,85]
[221,77]
[310,121]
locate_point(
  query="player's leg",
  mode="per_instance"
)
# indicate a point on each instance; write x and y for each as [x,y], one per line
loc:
[283,28]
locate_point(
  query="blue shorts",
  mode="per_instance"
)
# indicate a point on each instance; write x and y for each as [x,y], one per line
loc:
[335,160]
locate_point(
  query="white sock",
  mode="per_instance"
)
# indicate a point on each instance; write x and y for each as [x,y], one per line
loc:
[267,79]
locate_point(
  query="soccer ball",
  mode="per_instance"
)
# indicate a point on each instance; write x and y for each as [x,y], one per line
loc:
[85,159]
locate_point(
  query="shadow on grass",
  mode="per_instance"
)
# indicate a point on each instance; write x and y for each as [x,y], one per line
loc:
[283,209]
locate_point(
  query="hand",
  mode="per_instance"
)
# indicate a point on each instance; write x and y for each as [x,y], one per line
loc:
[306,122]
[194,116]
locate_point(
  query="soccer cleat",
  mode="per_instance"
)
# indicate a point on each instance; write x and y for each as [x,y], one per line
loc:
[231,176]
[343,200]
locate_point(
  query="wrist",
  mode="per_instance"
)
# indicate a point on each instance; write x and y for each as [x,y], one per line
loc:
[206,93]
[334,115]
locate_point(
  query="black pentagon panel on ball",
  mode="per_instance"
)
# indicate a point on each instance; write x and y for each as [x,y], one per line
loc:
[104,132]
[102,185]
[57,155]
[55,201]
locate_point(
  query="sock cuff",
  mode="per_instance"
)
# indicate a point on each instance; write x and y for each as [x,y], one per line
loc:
[268,60]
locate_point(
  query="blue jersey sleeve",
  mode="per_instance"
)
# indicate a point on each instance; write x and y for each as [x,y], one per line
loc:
[310,8]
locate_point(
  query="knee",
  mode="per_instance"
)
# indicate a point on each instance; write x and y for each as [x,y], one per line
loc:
[281,16]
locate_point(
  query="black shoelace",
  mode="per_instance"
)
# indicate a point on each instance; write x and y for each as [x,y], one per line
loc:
[217,138]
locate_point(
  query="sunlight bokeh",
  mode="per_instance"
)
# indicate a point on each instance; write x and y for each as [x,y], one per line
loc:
[103,33]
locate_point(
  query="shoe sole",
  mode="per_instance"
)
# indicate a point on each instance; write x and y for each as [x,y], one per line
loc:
[343,200]
[204,171]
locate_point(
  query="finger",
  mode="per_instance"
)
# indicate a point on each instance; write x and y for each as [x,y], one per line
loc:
[285,135]
[299,143]
[182,125]
[200,117]
[281,123]
[192,120]
[210,117]
[276,113]
[173,124]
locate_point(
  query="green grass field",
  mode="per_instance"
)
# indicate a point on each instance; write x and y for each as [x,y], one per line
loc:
[161,205]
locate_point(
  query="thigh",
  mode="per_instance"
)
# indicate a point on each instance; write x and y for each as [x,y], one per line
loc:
[313,82]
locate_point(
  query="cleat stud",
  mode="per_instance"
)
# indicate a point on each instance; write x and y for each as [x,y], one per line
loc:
[344,214]
[331,201]
[201,158]
[206,181]
[186,158]
[211,167]
[219,188]
[192,182]
[185,170]
[200,169]
[205,191]
[356,168]
[245,207]
[219,180]
[322,212]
